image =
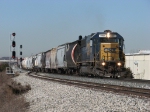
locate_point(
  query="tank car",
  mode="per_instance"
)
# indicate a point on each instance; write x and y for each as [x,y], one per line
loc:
[101,54]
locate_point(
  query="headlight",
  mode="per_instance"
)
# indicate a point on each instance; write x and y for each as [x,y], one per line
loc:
[108,35]
[103,63]
[119,64]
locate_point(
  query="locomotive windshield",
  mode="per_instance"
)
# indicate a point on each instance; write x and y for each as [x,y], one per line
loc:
[109,40]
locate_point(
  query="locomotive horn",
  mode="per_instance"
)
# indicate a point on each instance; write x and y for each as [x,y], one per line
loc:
[107,31]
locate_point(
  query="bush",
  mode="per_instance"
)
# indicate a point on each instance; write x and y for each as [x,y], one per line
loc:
[17,88]
[10,100]
[128,73]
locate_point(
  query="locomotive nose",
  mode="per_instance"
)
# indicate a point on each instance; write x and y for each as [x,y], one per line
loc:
[109,51]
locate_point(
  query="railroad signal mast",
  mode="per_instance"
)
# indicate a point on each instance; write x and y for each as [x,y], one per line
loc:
[13,45]
[12,49]
[20,55]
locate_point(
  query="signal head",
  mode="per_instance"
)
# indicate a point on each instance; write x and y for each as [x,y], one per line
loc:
[13,34]
[13,54]
[13,43]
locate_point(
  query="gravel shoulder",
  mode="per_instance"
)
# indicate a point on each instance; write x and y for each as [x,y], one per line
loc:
[47,96]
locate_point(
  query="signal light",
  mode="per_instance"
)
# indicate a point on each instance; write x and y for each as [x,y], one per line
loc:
[13,43]
[13,54]
[20,46]
[13,34]
[20,53]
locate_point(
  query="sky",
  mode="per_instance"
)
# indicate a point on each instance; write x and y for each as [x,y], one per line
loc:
[43,24]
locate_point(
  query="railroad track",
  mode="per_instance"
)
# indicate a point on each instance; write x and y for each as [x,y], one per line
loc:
[107,87]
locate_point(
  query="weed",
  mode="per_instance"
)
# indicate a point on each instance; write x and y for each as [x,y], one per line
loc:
[10,98]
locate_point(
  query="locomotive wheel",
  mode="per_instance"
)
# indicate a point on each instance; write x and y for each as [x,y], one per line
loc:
[66,71]
[116,77]
[59,71]
[101,77]
[46,70]
[70,71]
[52,71]
[92,75]
[80,73]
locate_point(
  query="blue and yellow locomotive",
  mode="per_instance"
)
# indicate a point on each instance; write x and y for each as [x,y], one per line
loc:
[101,54]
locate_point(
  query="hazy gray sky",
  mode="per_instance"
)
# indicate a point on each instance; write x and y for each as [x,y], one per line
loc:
[42,24]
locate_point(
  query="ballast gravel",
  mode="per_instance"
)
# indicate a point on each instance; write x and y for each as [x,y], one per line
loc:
[125,82]
[48,96]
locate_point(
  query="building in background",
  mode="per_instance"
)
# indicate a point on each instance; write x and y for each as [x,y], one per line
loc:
[139,63]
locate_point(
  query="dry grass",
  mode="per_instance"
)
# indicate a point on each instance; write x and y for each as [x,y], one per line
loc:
[10,95]
[17,88]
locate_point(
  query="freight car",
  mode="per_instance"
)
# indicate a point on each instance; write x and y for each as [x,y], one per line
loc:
[38,62]
[98,54]
[66,57]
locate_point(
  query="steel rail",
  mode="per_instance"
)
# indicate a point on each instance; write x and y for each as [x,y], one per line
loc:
[114,88]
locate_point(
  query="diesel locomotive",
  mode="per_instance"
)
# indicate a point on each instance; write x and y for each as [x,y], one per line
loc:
[98,54]
[101,54]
